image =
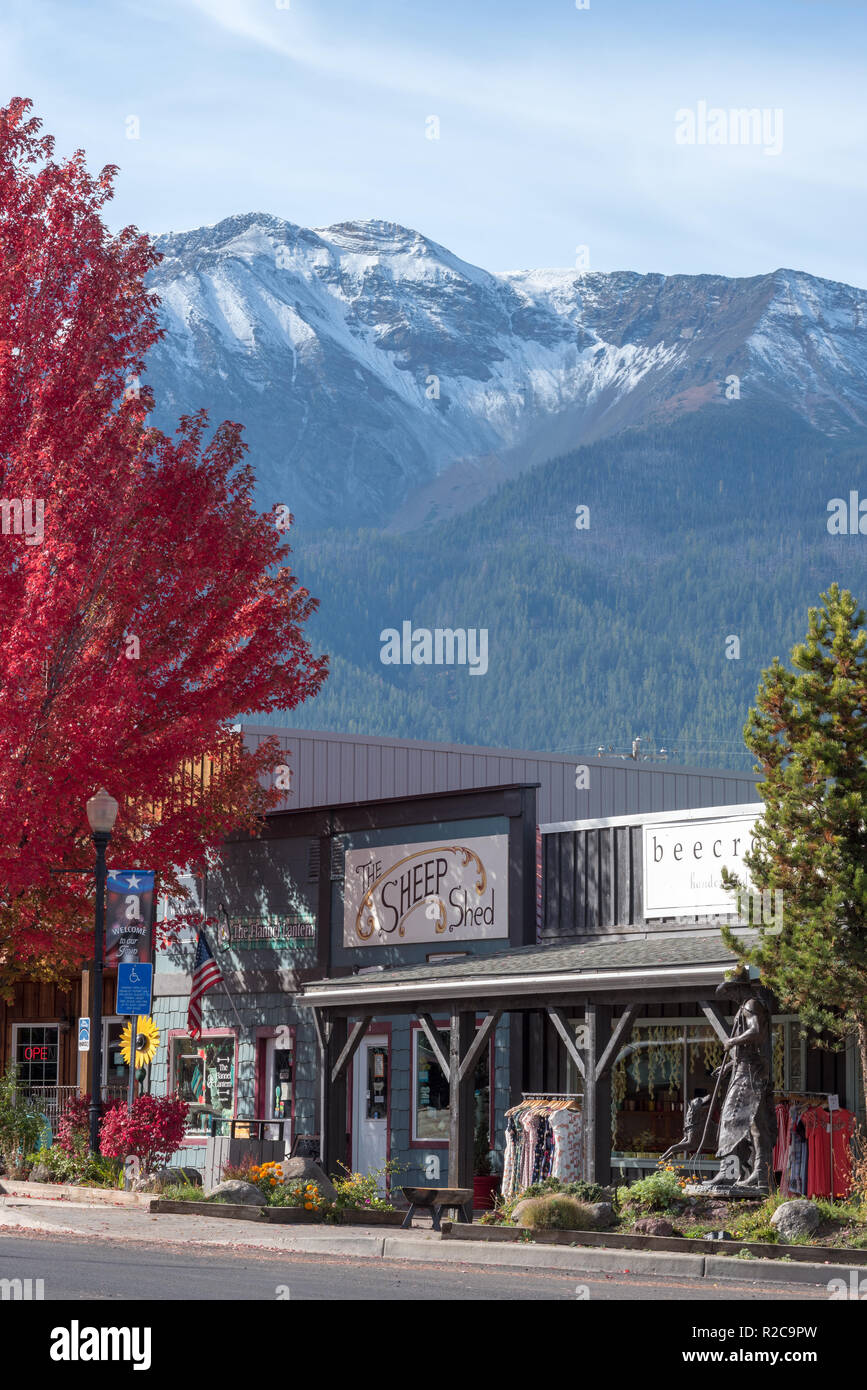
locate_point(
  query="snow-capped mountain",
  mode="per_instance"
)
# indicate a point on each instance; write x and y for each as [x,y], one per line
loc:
[383,381]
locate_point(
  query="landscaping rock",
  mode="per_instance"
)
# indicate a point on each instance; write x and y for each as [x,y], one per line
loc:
[41,1173]
[603,1215]
[798,1218]
[653,1226]
[306,1170]
[242,1193]
[168,1177]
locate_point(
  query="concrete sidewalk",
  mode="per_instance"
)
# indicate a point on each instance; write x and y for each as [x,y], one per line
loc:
[133,1224]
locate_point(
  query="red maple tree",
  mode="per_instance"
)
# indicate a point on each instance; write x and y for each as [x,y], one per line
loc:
[145,603]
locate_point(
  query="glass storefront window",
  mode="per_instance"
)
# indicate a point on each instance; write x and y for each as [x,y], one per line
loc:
[37,1048]
[203,1074]
[115,1072]
[430,1102]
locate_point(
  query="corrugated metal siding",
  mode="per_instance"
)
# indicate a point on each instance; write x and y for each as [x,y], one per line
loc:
[333,769]
[592,883]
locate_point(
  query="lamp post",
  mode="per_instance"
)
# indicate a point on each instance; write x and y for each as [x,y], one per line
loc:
[101,814]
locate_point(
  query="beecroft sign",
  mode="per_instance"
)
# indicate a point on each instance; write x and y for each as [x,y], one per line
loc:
[453,890]
[683,862]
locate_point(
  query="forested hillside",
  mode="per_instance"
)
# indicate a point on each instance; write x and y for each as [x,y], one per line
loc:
[711,528]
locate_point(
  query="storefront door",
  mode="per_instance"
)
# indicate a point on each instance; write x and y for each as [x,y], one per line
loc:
[370,1104]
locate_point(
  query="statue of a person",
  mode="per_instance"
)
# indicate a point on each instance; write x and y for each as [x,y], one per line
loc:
[748,1121]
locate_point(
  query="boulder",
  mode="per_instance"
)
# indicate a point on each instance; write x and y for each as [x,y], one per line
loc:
[307,1170]
[168,1177]
[41,1173]
[243,1193]
[797,1218]
[653,1226]
[603,1215]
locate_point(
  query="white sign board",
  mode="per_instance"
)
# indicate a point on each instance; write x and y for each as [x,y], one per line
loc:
[439,890]
[84,1035]
[683,862]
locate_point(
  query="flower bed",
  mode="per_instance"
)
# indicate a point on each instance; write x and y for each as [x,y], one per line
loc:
[698,1218]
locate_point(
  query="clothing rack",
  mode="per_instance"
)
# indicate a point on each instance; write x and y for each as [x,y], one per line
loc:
[822,1095]
[552,1095]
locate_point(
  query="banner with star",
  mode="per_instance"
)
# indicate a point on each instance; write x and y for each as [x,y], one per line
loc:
[129,913]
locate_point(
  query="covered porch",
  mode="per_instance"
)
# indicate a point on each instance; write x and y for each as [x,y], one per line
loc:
[590,993]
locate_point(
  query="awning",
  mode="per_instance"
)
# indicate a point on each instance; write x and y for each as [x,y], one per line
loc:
[640,963]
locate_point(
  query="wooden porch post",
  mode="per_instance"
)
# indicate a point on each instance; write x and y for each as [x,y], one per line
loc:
[597,1095]
[332,1093]
[461,1033]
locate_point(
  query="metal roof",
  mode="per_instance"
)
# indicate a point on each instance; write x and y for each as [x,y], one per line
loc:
[330,769]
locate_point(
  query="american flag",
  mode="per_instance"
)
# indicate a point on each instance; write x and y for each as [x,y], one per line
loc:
[206,974]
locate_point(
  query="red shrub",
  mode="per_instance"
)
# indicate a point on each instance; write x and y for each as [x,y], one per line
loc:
[152,1132]
[73,1127]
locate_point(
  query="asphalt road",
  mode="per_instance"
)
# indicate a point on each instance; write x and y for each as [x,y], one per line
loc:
[74,1269]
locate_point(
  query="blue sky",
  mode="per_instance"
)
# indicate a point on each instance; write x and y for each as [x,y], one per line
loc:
[556,125]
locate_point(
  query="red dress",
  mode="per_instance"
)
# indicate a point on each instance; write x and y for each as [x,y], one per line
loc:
[822,1129]
[781,1148]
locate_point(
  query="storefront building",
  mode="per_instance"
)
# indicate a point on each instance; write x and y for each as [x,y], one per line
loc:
[387,818]
[612,1012]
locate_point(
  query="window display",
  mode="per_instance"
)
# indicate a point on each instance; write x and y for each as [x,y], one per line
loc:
[430,1110]
[203,1073]
[36,1053]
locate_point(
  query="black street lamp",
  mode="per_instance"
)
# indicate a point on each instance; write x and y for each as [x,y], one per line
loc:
[102,814]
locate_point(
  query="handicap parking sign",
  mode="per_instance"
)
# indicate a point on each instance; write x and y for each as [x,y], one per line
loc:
[134,982]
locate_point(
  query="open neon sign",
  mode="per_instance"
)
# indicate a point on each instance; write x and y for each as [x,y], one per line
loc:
[36,1054]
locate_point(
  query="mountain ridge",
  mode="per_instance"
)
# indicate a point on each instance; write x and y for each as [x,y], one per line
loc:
[384,381]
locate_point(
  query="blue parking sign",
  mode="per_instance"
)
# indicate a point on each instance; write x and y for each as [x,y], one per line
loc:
[134,983]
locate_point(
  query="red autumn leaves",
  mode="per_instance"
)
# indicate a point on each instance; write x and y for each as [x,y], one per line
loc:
[156,609]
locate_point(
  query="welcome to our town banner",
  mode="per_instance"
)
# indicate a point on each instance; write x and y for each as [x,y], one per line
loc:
[129,916]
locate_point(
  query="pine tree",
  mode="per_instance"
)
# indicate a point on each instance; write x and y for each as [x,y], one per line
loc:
[808,732]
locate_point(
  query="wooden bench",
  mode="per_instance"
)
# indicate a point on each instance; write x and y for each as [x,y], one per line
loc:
[438,1200]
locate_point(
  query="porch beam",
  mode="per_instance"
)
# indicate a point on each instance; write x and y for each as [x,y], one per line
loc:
[560,1022]
[623,1026]
[480,1041]
[358,1031]
[715,1017]
[323,1030]
[433,1037]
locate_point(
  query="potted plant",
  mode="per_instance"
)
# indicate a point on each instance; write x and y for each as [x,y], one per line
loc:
[485,1181]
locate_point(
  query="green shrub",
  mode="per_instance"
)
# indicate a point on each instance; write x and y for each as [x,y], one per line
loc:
[660,1192]
[557,1212]
[91,1170]
[182,1192]
[21,1124]
[582,1191]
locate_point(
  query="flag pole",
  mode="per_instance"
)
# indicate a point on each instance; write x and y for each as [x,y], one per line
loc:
[231,1001]
[225,986]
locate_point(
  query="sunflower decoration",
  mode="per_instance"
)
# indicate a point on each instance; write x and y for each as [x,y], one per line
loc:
[147,1040]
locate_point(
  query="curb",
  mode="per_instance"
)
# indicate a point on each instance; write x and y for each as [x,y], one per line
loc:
[79,1193]
[427,1249]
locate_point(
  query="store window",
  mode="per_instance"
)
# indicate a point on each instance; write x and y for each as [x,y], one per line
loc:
[115,1072]
[203,1074]
[430,1101]
[36,1051]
